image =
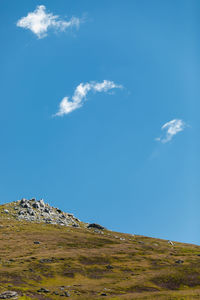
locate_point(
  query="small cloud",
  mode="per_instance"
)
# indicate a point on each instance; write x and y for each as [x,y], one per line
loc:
[170,129]
[67,105]
[39,22]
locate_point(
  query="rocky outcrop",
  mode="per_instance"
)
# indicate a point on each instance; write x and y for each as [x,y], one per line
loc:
[38,211]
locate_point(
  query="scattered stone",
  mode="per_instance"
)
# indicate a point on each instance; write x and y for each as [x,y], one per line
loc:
[36,242]
[8,295]
[179,261]
[171,243]
[6,211]
[55,293]
[103,294]
[65,294]
[97,226]
[46,260]
[43,290]
[109,267]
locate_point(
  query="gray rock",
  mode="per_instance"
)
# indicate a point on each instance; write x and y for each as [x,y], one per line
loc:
[55,293]
[36,205]
[41,212]
[97,226]
[30,212]
[8,295]
[65,294]
[43,290]
[47,210]
[71,215]
[109,267]
[75,225]
[171,243]
[179,261]
[23,200]
[48,220]
[6,211]
[21,212]
[25,205]
[41,203]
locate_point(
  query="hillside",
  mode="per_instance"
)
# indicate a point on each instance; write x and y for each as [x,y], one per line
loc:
[48,254]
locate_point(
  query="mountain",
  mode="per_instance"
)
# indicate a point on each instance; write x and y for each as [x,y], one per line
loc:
[48,254]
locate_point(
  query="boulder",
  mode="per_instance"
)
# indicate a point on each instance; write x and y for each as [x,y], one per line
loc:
[30,212]
[97,226]
[25,205]
[23,200]
[8,295]
[43,290]
[21,212]
[179,261]
[36,205]
[41,203]
[47,210]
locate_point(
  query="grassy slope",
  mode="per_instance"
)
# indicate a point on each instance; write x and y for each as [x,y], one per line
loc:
[88,264]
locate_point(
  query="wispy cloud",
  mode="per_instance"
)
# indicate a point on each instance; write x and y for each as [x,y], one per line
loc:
[170,129]
[39,22]
[68,105]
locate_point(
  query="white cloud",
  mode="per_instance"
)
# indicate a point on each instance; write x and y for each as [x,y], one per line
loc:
[66,106]
[39,22]
[170,129]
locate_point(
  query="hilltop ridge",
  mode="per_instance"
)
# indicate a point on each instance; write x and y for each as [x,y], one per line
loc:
[38,211]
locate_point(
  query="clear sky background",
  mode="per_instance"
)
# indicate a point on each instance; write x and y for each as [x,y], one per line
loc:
[101,161]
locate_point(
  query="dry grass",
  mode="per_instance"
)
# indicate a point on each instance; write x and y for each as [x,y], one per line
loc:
[88,264]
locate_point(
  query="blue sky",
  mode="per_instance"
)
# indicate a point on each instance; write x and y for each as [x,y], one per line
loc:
[128,68]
